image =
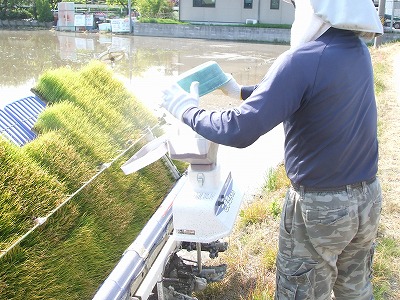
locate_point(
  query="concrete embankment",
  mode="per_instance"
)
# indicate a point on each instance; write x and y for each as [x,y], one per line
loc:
[213,32]
[226,32]
[24,24]
[197,31]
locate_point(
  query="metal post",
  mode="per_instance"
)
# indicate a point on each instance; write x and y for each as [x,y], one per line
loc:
[199,263]
[130,15]
[392,16]
[381,13]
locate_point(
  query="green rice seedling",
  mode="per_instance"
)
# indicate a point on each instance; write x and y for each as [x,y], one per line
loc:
[53,90]
[89,138]
[71,254]
[60,158]
[27,192]
[99,77]
[105,219]
[103,98]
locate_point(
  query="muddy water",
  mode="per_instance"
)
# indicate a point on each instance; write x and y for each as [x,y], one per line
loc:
[148,61]
[147,64]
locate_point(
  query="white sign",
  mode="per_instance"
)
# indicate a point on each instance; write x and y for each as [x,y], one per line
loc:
[79,20]
[120,25]
[83,20]
[89,20]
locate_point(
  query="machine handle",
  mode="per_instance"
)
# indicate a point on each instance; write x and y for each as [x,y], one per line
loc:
[148,154]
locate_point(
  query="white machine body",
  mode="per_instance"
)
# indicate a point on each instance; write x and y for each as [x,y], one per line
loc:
[206,208]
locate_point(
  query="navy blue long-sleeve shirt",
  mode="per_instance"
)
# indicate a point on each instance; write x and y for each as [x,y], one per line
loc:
[323,92]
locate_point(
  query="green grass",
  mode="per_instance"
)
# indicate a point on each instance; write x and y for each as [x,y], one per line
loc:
[269,202]
[161,21]
[89,119]
[384,270]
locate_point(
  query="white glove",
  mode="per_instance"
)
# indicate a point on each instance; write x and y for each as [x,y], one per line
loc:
[232,88]
[176,100]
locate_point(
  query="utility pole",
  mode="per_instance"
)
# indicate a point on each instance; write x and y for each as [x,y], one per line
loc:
[130,15]
[381,14]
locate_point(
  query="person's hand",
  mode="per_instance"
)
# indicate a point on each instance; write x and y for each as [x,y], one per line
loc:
[176,100]
[232,88]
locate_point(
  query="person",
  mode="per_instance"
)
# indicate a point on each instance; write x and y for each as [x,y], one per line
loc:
[322,89]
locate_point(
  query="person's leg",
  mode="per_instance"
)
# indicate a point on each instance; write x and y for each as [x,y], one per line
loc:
[315,228]
[355,262]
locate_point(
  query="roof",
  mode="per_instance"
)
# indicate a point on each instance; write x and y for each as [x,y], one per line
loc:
[18,118]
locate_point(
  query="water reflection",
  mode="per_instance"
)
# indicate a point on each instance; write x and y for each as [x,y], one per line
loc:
[148,61]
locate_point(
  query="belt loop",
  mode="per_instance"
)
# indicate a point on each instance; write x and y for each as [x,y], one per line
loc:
[349,190]
[302,192]
[364,187]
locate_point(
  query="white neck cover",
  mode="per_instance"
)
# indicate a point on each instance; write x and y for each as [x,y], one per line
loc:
[314,17]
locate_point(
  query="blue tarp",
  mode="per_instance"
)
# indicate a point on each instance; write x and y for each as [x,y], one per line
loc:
[18,118]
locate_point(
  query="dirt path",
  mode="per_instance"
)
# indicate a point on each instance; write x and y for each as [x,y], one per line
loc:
[389,127]
[396,73]
[388,102]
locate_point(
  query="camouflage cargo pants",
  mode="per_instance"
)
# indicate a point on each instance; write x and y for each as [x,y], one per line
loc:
[326,243]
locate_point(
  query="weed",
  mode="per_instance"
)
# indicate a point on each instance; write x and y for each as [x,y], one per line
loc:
[275,208]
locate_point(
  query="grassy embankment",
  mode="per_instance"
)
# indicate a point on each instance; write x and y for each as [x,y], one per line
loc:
[253,244]
[90,117]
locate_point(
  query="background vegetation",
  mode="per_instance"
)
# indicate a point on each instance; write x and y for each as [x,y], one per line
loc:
[41,10]
[89,119]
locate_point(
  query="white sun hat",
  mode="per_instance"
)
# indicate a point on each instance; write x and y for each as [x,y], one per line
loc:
[356,15]
[314,17]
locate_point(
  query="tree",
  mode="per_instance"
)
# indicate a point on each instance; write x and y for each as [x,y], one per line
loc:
[148,8]
[44,13]
[122,3]
[155,8]
[12,9]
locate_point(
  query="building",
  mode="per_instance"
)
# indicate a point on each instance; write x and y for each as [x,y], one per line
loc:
[236,11]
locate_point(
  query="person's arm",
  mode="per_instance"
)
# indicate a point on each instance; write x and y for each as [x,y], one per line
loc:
[235,90]
[246,91]
[271,102]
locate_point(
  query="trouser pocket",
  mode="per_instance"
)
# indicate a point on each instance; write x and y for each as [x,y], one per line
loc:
[295,280]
